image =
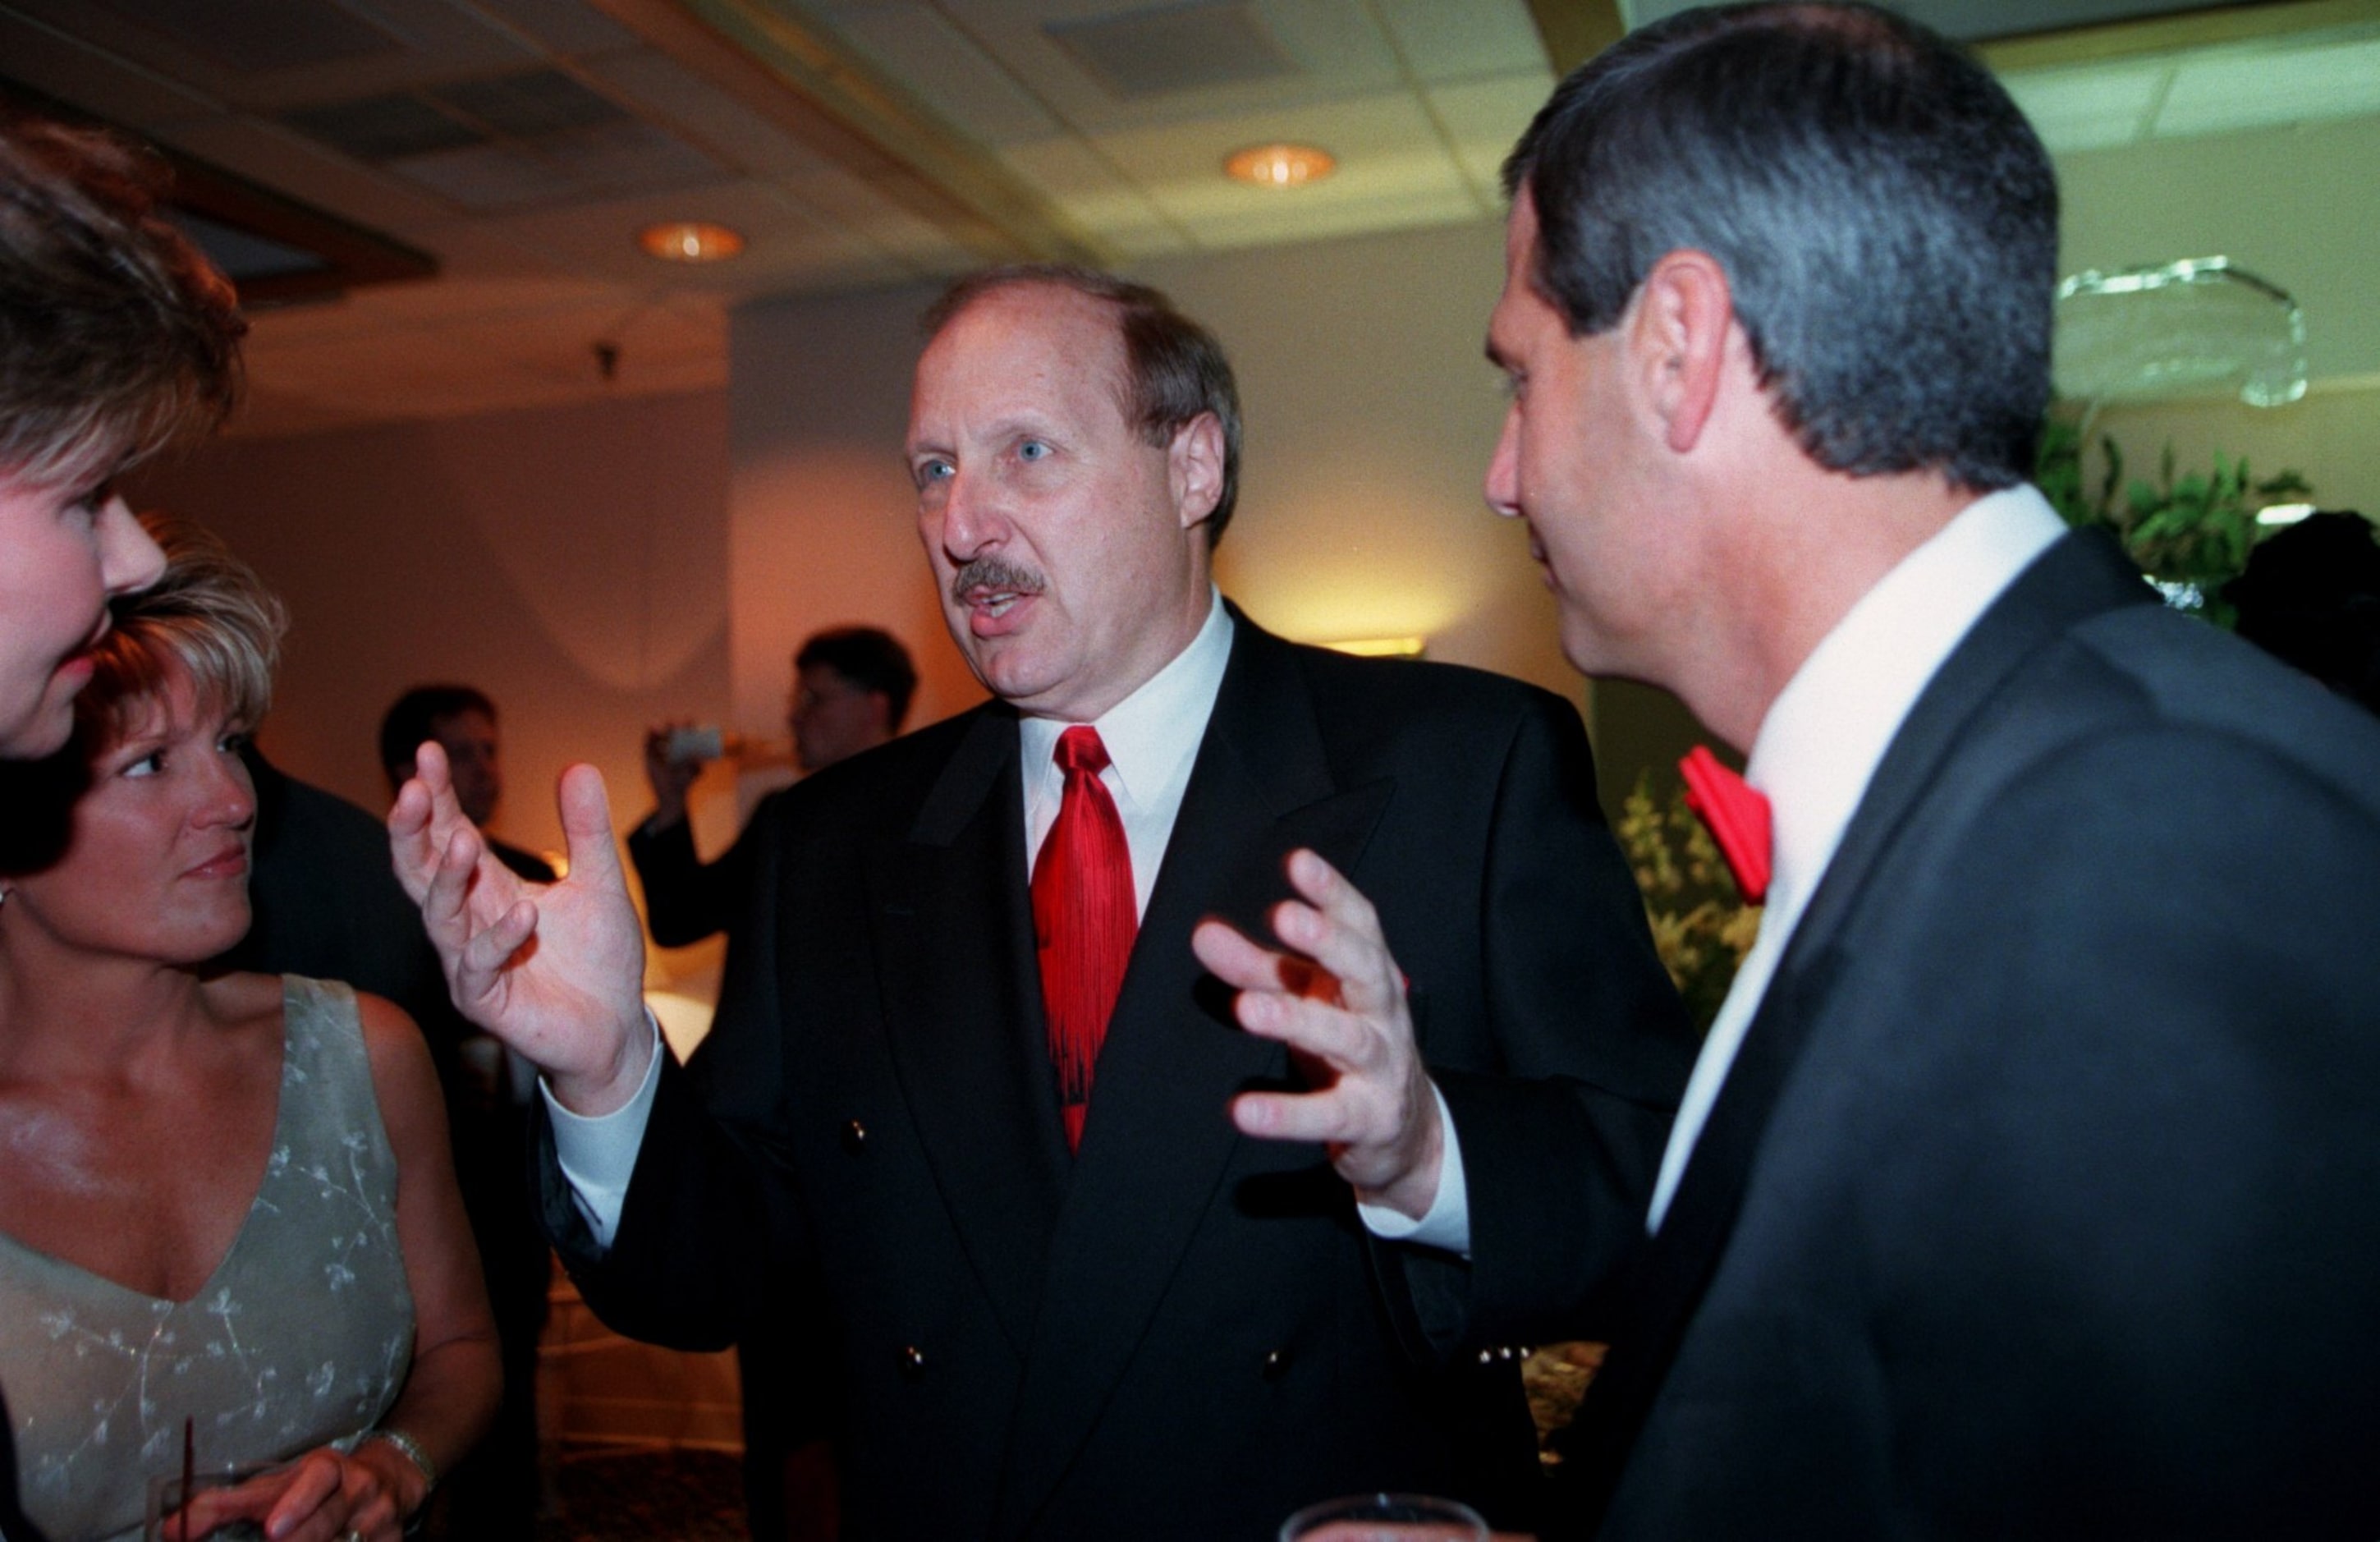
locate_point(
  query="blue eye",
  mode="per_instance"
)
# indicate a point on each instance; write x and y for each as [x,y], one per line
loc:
[932,471]
[1033,449]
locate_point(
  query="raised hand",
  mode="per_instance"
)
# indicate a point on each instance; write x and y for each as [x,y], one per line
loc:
[555,970]
[1337,998]
[670,778]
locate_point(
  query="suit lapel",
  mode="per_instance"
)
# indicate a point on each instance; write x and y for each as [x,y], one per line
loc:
[2078,576]
[1157,1140]
[963,1013]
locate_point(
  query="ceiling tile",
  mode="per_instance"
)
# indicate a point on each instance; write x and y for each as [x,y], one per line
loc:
[1379,140]
[1400,209]
[1093,193]
[1335,43]
[563,26]
[889,228]
[435,41]
[297,167]
[2257,88]
[91,78]
[721,126]
[945,69]
[1484,119]
[1453,40]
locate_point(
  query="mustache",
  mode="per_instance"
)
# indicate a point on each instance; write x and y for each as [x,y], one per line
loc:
[998,573]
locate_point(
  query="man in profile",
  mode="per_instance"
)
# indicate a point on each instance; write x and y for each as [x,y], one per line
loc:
[982,1082]
[851,692]
[2023,1187]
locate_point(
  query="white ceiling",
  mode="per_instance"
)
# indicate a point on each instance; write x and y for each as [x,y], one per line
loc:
[1099,126]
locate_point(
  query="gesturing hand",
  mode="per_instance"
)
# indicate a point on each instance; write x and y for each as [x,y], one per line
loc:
[1338,1000]
[555,970]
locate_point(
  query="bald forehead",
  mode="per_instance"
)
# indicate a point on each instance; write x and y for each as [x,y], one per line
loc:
[1050,326]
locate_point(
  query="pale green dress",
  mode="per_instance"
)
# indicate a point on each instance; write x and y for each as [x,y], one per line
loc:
[302,1337]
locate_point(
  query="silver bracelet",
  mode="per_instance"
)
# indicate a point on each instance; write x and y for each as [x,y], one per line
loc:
[411,1448]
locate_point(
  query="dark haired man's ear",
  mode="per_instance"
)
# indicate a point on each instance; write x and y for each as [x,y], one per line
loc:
[1684,314]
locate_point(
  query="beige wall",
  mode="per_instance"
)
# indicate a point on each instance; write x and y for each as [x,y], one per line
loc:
[572,563]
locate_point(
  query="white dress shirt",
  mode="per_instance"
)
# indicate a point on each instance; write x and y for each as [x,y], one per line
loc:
[1152,739]
[1817,748]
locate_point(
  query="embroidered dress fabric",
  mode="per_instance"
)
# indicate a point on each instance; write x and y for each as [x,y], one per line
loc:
[301,1337]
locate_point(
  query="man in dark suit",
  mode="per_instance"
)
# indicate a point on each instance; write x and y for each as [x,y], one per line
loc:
[852,687]
[1071,1300]
[2024,1185]
[851,692]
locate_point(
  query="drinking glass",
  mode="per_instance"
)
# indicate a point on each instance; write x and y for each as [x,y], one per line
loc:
[165,1496]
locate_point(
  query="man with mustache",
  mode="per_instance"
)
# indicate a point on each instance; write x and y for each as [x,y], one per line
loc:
[986,1080]
[2024,1187]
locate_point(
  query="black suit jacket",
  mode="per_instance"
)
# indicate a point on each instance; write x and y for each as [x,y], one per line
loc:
[2040,1201]
[687,899]
[1173,1334]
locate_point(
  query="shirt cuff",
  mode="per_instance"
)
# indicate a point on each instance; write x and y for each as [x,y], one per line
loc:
[598,1156]
[1448,1224]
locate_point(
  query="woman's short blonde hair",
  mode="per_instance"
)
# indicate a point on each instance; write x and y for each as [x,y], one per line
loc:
[208,615]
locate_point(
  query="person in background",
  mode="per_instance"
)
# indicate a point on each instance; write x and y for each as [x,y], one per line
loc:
[117,337]
[981,1082]
[2025,1184]
[462,721]
[2311,598]
[851,692]
[499,1492]
[228,1200]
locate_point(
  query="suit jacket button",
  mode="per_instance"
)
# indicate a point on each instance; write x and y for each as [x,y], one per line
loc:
[855,1138]
[1276,1364]
[913,1362]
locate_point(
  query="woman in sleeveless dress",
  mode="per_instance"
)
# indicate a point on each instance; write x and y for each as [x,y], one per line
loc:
[227,1203]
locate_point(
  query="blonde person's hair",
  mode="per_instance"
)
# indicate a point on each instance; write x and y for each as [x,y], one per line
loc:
[208,614]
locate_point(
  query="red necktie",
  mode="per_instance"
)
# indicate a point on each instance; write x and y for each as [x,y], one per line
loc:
[1083,920]
[1737,816]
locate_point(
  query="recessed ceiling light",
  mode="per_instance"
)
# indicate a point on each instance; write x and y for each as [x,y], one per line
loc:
[1280,165]
[690,241]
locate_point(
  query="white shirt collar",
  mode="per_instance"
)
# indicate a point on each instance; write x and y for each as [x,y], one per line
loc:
[1152,738]
[1827,730]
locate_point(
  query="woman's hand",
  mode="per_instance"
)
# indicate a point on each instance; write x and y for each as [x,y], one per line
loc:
[325,1496]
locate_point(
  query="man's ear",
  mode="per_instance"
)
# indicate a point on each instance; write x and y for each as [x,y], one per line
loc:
[1683,313]
[1194,464]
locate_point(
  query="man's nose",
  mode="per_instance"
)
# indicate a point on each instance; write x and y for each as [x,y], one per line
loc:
[1503,487]
[972,519]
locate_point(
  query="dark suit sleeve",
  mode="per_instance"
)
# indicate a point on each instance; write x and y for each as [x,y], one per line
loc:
[1591,1050]
[709,1205]
[687,899]
[2119,1072]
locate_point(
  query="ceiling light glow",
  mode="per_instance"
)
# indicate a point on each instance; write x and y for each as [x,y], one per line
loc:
[1280,165]
[690,241]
